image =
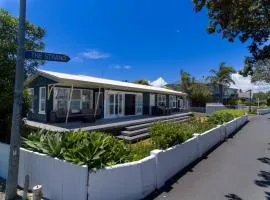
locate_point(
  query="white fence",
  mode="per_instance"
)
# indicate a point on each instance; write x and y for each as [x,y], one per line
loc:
[263,111]
[135,180]
[4,154]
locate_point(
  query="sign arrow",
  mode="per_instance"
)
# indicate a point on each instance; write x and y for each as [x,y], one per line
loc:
[46,56]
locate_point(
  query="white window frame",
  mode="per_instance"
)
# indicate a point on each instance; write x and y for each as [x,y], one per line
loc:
[161,99]
[138,106]
[91,100]
[69,90]
[42,100]
[31,92]
[173,101]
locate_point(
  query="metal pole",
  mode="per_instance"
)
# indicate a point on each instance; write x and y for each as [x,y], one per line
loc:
[69,101]
[14,154]
[249,100]
[97,103]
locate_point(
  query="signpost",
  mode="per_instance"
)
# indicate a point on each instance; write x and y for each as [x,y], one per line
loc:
[46,56]
[14,154]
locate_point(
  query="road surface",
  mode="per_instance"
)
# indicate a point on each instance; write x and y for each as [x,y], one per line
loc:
[239,169]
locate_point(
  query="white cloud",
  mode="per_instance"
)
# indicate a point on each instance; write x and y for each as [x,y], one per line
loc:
[244,83]
[94,54]
[127,67]
[76,59]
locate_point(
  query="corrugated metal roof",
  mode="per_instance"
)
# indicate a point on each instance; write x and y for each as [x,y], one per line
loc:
[62,77]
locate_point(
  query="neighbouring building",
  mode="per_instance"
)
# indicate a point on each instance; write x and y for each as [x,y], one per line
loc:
[87,98]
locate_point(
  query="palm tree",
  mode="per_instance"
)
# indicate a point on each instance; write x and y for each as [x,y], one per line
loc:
[221,77]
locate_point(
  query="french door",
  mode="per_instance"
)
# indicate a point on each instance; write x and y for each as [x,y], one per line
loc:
[114,102]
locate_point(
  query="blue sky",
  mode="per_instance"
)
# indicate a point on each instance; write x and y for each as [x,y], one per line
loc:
[128,40]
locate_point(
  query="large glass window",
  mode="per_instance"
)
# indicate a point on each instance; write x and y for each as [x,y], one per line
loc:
[75,104]
[139,104]
[61,96]
[87,99]
[172,101]
[81,99]
[161,100]
[42,100]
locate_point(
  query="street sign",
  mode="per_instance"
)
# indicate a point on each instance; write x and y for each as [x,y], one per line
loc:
[46,56]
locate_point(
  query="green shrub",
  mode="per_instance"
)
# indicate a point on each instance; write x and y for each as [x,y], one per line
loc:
[45,142]
[226,115]
[141,149]
[166,135]
[96,150]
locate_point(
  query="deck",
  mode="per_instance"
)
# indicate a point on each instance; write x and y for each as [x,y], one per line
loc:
[100,125]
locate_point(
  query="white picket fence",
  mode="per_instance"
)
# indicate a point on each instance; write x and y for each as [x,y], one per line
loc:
[135,180]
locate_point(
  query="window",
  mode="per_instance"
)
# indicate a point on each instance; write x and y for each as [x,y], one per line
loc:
[61,96]
[87,99]
[42,100]
[31,94]
[180,102]
[172,101]
[139,104]
[161,100]
[81,99]
[75,104]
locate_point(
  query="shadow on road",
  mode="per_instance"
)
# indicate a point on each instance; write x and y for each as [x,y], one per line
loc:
[233,197]
[263,175]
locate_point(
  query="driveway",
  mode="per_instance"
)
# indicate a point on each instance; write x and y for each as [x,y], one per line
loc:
[239,169]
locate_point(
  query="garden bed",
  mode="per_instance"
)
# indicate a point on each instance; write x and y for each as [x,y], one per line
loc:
[123,171]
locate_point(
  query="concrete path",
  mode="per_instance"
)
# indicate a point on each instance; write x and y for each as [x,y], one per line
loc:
[239,169]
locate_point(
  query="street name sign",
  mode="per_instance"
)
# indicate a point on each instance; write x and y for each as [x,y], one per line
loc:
[46,56]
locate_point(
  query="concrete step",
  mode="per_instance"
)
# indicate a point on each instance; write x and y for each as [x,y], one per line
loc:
[134,138]
[145,125]
[135,132]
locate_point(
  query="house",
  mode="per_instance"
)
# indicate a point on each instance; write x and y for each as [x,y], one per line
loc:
[228,91]
[88,98]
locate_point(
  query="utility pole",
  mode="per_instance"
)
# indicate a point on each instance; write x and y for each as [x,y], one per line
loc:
[14,154]
[250,100]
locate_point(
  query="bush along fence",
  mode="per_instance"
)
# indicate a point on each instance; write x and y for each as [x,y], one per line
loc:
[101,177]
[263,111]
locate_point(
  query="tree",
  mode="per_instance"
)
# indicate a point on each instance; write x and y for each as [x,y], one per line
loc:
[142,82]
[261,71]
[186,81]
[247,20]
[200,95]
[222,77]
[8,45]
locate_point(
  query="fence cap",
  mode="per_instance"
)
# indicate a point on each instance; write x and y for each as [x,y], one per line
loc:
[37,187]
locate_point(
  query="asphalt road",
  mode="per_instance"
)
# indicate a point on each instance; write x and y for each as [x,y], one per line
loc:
[239,169]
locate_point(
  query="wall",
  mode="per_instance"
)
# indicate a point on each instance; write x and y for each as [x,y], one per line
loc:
[213,107]
[210,138]
[263,111]
[133,180]
[171,161]
[40,82]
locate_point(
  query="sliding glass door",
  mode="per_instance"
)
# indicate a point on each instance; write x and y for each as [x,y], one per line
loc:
[114,102]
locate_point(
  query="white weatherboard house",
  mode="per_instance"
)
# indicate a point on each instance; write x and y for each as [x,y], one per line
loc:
[89,98]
